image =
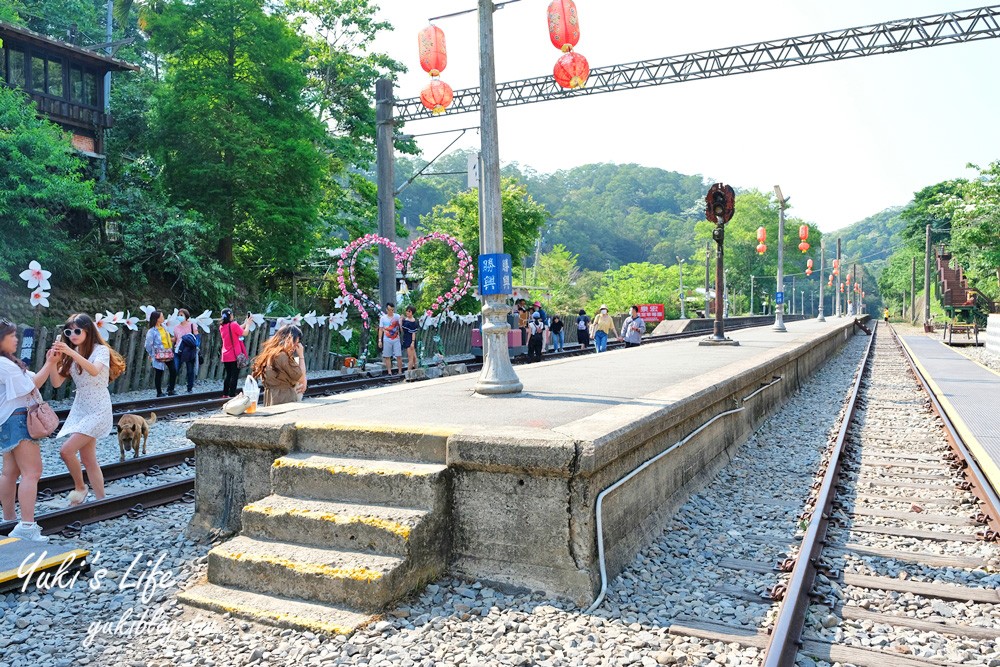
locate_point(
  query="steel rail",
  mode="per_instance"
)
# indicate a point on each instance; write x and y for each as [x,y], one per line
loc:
[981,486]
[72,519]
[879,38]
[783,644]
[151,465]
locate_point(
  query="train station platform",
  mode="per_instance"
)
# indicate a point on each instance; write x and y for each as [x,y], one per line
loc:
[966,391]
[356,500]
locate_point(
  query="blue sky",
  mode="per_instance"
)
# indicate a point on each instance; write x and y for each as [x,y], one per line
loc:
[844,140]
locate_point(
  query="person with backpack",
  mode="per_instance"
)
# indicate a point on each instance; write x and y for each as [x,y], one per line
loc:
[234,352]
[536,337]
[583,329]
[186,344]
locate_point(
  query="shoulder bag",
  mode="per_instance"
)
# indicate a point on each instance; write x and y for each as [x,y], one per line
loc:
[242,360]
[42,419]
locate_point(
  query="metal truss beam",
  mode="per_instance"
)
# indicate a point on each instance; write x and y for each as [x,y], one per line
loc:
[890,37]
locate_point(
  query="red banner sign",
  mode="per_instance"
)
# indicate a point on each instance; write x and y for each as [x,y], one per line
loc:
[651,312]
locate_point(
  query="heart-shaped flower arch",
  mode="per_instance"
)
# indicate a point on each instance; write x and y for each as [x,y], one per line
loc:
[357,296]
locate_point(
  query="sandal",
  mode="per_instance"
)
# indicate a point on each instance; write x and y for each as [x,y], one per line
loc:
[77,497]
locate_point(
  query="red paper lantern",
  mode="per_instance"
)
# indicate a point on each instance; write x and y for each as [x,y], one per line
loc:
[803,235]
[761,248]
[761,234]
[572,71]
[437,96]
[564,25]
[809,267]
[433,52]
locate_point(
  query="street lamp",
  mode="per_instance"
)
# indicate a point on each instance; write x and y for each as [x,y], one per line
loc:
[680,267]
[822,265]
[779,323]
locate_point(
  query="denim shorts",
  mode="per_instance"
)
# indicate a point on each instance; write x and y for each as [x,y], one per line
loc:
[13,431]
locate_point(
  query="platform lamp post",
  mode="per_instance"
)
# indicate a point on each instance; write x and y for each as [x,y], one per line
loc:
[779,306]
[822,266]
[497,376]
[720,208]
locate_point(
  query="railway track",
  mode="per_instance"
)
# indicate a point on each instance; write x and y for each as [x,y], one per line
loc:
[900,537]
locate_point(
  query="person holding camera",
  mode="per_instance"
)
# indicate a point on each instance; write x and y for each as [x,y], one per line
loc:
[234,352]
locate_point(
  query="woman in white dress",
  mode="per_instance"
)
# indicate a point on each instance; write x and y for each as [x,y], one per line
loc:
[21,456]
[92,364]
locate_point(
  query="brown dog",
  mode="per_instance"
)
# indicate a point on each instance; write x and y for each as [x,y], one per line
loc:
[132,428]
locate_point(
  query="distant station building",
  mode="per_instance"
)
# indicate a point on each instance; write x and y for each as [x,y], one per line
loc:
[65,81]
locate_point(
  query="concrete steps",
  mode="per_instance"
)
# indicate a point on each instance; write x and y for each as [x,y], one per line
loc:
[343,534]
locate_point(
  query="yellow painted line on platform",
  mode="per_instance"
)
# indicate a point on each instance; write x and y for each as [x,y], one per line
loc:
[988,465]
[285,462]
[393,527]
[256,613]
[52,561]
[7,540]
[377,428]
[332,572]
[983,366]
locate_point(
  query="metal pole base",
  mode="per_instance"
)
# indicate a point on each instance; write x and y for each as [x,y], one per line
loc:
[779,323]
[497,376]
[712,341]
[821,318]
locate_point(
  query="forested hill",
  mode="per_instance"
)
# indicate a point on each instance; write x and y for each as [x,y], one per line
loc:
[606,213]
[872,239]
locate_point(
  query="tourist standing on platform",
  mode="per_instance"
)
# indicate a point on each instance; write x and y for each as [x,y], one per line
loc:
[234,351]
[21,454]
[160,348]
[522,319]
[281,366]
[583,329]
[602,328]
[536,307]
[92,364]
[536,337]
[633,328]
[186,344]
[389,328]
[410,328]
[558,335]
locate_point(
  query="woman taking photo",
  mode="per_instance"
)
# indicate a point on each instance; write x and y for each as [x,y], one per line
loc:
[160,348]
[92,364]
[281,367]
[21,455]
[232,350]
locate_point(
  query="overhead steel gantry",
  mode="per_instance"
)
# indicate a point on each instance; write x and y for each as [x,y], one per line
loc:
[890,37]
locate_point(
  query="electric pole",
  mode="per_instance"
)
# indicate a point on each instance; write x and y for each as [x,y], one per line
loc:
[386,190]
[822,266]
[913,289]
[927,278]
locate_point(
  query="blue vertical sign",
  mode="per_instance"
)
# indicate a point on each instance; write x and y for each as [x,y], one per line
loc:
[779,298]
[495,274]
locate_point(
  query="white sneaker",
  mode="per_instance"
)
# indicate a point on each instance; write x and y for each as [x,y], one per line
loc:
[28,531]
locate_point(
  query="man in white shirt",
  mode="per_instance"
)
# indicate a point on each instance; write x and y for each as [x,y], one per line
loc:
[389,326]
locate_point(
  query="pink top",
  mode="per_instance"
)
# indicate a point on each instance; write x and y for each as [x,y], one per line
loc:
[188,327]
[231,343]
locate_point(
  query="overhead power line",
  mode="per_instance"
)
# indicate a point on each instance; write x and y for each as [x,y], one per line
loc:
[889,37]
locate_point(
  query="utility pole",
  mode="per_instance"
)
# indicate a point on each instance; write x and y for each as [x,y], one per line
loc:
[386,190]
[752,279]
[793,295]
[109,29]
[927,278]
[913,289]
[779,322]
[680,271]
[822,266]
[497,376]
[836,288]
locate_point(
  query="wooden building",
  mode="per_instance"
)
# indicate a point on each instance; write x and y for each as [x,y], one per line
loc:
[65,81]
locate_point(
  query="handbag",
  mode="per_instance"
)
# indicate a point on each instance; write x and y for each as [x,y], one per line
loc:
[163,355]
[242,360]
[42,419]
[236,406]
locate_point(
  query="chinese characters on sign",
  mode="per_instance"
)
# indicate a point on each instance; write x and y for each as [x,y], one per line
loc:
[651,312]
[495,274]
[779,298]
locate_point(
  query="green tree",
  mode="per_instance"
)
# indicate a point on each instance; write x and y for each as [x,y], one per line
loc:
[925,210]
[558,270]
[975,228]
[640,283]
[234,132]
[894,278]
[42,187]
[523,218]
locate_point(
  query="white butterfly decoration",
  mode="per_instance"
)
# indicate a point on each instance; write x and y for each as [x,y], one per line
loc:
[104,326]
[36,276]
[204,321]
[295,319]
[147,310]
[173,320]
[347,334]
[40,297]
[255,321]
[468,319]
[311,319]
[338,302]
[337,320]
[131,323]
[429,322]
[114,318]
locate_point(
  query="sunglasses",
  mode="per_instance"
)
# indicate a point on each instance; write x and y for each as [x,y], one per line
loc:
[72,332]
